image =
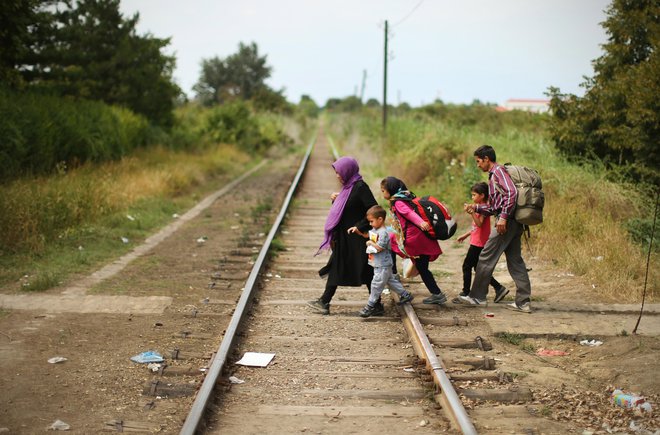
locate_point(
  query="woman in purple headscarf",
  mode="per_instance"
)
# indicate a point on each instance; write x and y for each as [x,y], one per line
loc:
[347,265]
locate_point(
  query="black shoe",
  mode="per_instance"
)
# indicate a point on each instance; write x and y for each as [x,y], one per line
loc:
[379,309]
[367,311]
[499,294]
[319,306]
[407,297]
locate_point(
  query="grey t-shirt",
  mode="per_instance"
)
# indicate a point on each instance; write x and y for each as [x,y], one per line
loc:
[382,239]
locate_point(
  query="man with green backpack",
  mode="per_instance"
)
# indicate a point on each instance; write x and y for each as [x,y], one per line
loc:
[502,197]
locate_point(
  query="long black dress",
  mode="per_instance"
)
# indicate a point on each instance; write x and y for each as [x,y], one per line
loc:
[347,265]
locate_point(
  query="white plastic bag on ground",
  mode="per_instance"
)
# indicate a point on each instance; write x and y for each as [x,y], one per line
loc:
[408,268]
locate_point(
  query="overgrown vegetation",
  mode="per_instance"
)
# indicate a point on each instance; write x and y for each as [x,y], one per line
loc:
[74,220]
[41,133]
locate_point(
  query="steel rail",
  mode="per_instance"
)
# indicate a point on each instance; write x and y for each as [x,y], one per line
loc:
[201,400]
[449,400]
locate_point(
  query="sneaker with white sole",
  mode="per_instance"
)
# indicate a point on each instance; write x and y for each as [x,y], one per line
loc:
[499,294]
[471,302]
[524,308]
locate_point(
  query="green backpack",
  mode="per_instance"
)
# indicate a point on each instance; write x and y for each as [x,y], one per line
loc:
[530,200]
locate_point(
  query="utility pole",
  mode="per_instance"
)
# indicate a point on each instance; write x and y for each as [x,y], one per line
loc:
[385,84]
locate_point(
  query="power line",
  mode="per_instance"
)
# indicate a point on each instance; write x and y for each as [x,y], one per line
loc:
[409,14]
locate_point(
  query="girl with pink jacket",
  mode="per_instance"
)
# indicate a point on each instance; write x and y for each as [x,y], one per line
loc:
[410,239]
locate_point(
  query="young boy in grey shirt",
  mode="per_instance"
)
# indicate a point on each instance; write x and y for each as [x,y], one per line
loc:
[380,258]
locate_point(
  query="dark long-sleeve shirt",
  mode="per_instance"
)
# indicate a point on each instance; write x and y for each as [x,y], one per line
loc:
[502,194]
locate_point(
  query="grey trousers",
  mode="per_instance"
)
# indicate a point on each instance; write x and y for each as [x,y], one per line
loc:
[508,243]
[383,276]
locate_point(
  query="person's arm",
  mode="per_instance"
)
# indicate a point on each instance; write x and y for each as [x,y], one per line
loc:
[508,192]
[507,200]
[375,245]
[483,209]
[478,219]
[407,212]
[352,230]
[464,236]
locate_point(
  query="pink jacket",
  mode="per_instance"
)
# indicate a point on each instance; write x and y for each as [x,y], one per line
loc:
[417,243]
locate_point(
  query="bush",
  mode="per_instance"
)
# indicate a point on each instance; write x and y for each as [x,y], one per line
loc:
[41,133]
[234,123]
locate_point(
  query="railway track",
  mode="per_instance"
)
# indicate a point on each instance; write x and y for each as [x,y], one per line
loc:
[417,368]
[340,373]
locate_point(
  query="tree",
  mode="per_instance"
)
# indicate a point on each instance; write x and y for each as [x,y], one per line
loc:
[618,119]
[87,49]
[241,75]
[308,107]
[16,16]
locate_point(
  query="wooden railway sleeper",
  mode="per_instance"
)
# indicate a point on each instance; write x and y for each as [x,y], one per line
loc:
[480,343]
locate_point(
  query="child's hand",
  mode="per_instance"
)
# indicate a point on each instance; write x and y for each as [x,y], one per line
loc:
[425,226]
[463,237]
[468,208]
[334,196]
[352,230]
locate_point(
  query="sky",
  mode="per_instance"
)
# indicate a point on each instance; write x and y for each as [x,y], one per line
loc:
[457,51]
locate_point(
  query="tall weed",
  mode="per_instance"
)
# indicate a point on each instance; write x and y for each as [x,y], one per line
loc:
[38,211]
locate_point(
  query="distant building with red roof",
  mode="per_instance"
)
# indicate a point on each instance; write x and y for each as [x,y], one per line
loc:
[536,106]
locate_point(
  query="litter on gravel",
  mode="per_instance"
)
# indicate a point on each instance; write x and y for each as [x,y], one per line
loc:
[591,343]
[147,357]
[56,359]
[235,380]
[256,359]
[551,352]
[59,425]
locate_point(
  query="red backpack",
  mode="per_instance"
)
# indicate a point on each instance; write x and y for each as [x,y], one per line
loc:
[443,226]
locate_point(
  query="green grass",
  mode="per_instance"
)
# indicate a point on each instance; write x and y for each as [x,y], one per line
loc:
[79,249]
[40,282]
[276,247]
[74,222]
[511,338]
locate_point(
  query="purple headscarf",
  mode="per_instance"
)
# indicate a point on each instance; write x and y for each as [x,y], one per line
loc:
[349,171]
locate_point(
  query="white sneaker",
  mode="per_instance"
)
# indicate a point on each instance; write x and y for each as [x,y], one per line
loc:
[472,302]
[524,308]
